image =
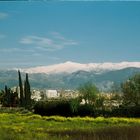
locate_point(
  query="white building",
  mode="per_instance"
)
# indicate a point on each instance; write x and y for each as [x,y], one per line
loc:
[52,94]
[36,95]
[69,93]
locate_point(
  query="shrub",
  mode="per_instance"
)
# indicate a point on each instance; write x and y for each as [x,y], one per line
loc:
[85,110]
[127,111]
[61,108]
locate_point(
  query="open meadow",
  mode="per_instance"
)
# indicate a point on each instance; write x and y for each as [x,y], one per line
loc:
[27,126]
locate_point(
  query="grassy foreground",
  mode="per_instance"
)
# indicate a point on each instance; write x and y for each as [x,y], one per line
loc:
[34,127]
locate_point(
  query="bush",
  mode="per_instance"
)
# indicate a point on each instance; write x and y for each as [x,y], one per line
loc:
[66,108]
[61,108]
[85,110]
[127,111]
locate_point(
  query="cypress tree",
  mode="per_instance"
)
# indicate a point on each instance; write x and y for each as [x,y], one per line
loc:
[7,97]
[21,90]
[6,89]
[27,92]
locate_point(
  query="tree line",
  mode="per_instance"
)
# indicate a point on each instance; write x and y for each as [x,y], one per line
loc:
[89,102]
[94,103]
[20,97]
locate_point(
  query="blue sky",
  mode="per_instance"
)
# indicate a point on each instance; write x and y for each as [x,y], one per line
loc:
[44,33]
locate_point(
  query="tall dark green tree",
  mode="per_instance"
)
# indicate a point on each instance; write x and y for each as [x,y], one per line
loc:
[21,90]
[7,97]
[131,91]
[27,92]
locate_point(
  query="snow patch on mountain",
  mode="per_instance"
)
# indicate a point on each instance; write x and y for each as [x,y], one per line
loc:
[70,67]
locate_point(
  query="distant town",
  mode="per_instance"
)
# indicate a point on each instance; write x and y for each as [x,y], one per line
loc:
[52,94]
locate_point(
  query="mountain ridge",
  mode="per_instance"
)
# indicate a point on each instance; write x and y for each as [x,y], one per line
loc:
[70,67]
[104,81]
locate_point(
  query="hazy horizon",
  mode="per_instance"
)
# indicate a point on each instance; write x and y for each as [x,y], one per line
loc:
[45,33]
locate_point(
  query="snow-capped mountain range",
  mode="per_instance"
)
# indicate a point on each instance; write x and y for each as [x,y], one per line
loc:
[70,67]
[71,75]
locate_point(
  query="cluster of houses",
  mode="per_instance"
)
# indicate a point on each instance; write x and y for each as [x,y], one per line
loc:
[53,94]
[38,94]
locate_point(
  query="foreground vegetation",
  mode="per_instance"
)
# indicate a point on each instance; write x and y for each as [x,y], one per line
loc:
[27,126]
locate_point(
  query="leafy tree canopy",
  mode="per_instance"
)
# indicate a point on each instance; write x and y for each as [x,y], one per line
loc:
[131,90]
[88,92]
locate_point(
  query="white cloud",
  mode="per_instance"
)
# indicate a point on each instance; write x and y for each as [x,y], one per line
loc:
[3,15]
[57,35]
[55,42]
[36,40]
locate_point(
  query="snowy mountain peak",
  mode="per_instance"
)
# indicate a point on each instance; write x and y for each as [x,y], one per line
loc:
[70,67]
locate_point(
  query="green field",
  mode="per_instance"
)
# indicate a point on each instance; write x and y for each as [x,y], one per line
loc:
[16,126]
